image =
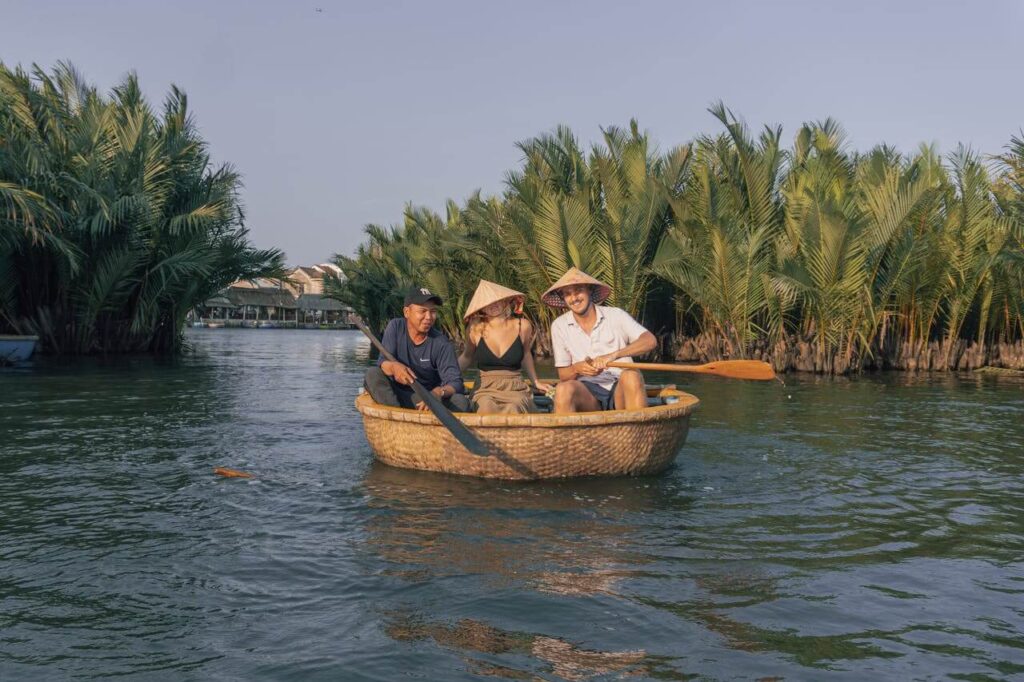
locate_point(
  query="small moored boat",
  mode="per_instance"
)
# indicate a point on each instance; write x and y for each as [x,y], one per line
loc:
[534,446]
[16,348]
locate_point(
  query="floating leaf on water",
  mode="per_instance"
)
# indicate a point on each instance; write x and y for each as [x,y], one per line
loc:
[231,473]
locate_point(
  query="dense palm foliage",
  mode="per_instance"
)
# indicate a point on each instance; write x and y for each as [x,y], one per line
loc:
[113,223]
[606,212]
[812,257]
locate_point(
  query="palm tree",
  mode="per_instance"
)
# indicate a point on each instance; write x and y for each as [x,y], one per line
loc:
[813,256]
[606,213]
[720,247]
[117,224]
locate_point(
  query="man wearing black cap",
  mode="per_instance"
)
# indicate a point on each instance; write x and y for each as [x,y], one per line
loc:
[423,354]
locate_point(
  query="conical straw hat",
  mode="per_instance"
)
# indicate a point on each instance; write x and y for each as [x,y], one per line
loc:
[576,276]
[487,293]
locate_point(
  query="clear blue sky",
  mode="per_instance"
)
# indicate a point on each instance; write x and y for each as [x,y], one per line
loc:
[337,118]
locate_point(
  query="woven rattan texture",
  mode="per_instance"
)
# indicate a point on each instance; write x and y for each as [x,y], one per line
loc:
[533,446]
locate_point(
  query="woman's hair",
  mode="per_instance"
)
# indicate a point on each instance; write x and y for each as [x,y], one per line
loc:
[478,319]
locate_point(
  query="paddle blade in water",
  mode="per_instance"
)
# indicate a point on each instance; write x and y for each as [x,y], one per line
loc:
[231,473]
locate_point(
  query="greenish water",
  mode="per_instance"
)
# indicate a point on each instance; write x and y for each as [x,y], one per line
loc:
[828,529]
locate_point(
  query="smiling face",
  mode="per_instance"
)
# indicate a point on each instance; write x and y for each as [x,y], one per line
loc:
[420,318]
[577,297]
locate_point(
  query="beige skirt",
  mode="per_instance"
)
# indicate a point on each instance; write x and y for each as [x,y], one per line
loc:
[503,391]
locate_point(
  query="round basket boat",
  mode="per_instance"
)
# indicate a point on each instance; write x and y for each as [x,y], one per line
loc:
[533,446]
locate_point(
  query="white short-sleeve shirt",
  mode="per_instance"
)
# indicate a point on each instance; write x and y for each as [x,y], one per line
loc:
[615,329]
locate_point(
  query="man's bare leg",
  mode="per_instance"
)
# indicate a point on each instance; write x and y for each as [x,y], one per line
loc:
[573,396]
[630,392]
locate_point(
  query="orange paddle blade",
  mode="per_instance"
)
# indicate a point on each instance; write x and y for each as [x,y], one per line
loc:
[755,370]
[231,473]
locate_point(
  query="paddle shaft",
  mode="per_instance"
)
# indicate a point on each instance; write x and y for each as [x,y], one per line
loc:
[467,438]
[734,369]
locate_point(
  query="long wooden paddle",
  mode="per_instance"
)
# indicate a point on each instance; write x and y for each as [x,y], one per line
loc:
[462,434]
[732,369]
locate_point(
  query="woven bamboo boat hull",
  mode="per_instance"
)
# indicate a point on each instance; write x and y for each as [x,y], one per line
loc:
[534,446]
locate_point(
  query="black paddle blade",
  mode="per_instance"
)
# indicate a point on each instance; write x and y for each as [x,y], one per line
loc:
[467,438]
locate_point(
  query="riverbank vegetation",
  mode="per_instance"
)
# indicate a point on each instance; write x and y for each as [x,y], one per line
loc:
[812,256]
[113,221]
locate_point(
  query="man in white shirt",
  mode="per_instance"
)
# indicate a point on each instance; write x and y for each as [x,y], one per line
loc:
[586,339]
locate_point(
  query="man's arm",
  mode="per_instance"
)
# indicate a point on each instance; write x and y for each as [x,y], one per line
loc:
[395,370]
[448,368]
[641,342]
[577,370]
[642,346]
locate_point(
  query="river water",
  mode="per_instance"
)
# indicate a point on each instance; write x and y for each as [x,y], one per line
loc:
[826,529]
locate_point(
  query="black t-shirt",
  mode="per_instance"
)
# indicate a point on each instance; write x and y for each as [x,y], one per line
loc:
[433,361]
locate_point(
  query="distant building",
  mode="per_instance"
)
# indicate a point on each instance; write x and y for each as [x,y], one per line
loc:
[296,301]
[310,280]
[316,309]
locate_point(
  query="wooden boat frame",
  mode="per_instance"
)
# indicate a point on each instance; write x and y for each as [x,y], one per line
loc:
[535,446]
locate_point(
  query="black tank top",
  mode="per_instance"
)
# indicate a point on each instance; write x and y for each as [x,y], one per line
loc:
[486,360]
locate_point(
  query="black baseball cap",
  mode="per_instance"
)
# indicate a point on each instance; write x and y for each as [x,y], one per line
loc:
[420,295]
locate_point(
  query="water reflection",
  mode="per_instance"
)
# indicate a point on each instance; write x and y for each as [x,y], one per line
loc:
[557,539]
[566,660]
[553,537]
[857,528]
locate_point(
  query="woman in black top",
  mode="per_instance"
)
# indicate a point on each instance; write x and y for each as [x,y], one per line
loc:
[499,342]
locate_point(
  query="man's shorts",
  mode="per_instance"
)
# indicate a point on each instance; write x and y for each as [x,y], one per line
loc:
[605,396]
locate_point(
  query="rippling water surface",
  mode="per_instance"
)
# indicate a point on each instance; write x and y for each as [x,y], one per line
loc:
[839,529]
